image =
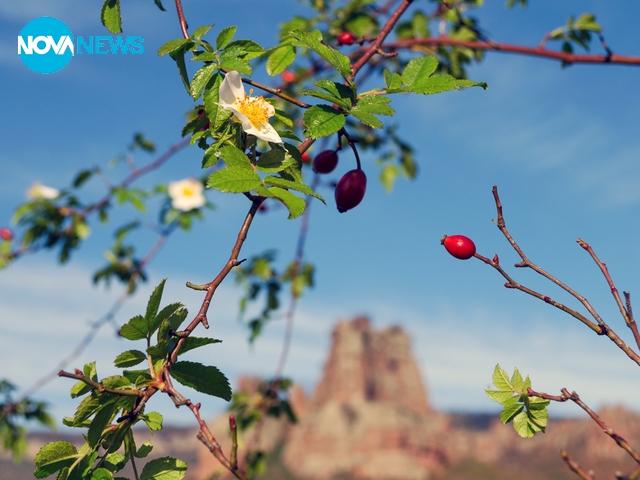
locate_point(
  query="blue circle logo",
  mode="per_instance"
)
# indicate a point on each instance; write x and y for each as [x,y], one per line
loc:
[45,45]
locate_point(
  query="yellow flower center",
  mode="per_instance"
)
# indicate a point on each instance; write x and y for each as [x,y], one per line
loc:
[188,192]
[256,109]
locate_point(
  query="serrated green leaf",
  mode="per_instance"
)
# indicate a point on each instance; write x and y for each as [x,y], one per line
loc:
[294,204]
[200,32]
[171,324]
[111,17]
[510,411]
[153,305]
[339,61]
[362,24]
[172,46]
[299,187]
[144,450]
[200,79]
[500,396]
[240,65]
[522,426]
[234,180]
[418,70]
[102,474]
[98,424]
[165,313]
[53,457]
[366,118]
[274,161]
[322,121]
[165,468]
[234,157]
[204,379]
[129,358]
[153,420]
[501,379]
[137,377]
[245,49]
[340,91]
[280,59]
[211,96]
[393,81]
[516,380]
[225,36]
[196,342]
[135,329]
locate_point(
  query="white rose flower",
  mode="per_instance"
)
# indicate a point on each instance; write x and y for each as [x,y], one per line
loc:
[38,191]
[186,194]
[252,112]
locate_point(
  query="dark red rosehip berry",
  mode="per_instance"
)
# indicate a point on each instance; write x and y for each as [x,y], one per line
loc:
[350,190]
[288,76]
[459,246]
[346,38]
[262,208]
[325,161]
[6,234]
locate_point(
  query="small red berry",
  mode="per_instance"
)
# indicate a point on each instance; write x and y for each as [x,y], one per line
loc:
[346,38]
[6,234]
[288,76]
[306,158]
[325,161]
[459,246]
[263,208]
[350,190]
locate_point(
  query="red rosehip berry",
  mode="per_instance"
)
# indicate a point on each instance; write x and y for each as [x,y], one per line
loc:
[459,246]
[325,161]
[6,234]
[346,38]
[288,76]
[306,158]
[350,190]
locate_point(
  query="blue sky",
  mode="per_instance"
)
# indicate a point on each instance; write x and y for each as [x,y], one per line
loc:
[561,144]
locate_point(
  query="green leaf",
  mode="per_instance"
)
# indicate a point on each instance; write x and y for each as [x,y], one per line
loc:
[165,468]
[98,424]
[204,379]
[111,17]
[129,358]
[53,457]
[200,79]
[388,176]
[201,31]
[245,49]
[217,115]
[418,70]
[339,61]
[234,180]
[510,411]
[153,305]
[159,5]
[165,313]
[369,106]
[153,420]
[299,187]
[322,121]
[274,161]
[171,324]
[144,450]
[362,24]
[294,204]
[240,65]
[172,46]
[234,157]
[102,474]
[501,379]
[522,426]
[280,59]
[135,329]
[196,342]
[393,81]
[82,177]
[225,36]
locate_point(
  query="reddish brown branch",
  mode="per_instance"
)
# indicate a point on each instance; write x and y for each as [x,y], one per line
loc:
[601,328]
[574,467]
[183,21]
[568,58]
[78,375]
[375,46]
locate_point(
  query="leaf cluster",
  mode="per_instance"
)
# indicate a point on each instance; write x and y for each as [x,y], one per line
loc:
[528,414]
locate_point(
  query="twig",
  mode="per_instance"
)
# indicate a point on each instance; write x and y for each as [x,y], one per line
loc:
[183,21]
[574,467]
[567,58]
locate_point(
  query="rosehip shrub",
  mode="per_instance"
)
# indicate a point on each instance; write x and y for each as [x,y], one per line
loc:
[459,246]
[325,161]
[350,190]
[346,38]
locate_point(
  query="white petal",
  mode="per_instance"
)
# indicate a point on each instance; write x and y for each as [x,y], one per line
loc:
[266,132]
[231,88]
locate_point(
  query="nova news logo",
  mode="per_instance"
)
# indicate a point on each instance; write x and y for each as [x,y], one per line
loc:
[46,45]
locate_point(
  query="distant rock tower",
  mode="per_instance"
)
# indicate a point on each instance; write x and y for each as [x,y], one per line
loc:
[369,418]
[372,367]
